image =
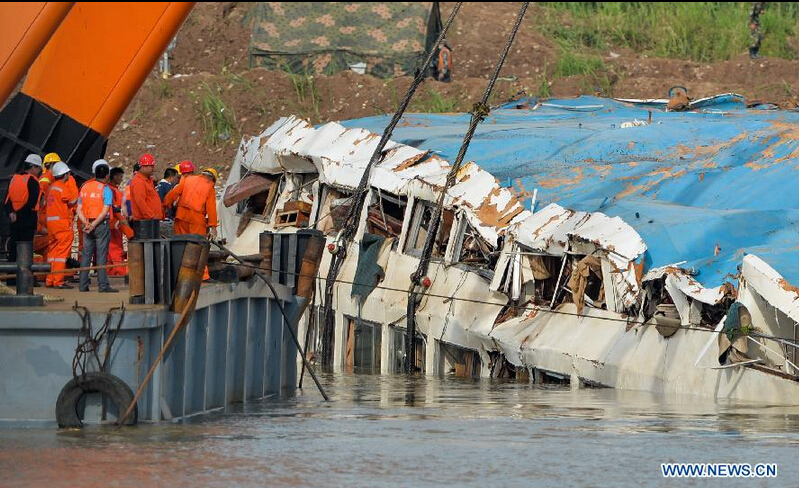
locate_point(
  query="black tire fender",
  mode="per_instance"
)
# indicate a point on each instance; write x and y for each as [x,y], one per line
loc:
[66,407]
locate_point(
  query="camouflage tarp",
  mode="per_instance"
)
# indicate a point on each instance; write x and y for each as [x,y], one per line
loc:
[328,37]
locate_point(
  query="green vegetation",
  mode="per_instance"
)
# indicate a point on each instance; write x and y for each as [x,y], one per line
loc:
[218,119]
[164,89]
[306,90]
[701,31]
[434,102]
[236,79]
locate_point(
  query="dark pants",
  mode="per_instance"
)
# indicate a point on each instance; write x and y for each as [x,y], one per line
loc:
[95,241]
[21,231]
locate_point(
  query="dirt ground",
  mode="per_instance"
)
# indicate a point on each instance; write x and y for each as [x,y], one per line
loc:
[211,51]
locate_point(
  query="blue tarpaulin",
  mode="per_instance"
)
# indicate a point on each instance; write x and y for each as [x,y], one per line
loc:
[706,186]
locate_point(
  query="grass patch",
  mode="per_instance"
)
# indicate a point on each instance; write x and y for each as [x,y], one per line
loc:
[433,102]
[217,118]
[545,87]
[701,31]
[306,91]
[236,79]
[164,89]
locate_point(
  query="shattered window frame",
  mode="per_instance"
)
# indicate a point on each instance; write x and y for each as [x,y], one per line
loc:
[463,226]
[397,352]
[410,246]
[379,197]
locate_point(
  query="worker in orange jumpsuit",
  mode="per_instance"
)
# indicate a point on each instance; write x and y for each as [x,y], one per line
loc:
[196,205]
[40,240]
[145,202]
[185,168]
[60,203]
[119,226]
[47,175]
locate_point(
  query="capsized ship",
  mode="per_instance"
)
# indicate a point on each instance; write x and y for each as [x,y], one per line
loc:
[655,252]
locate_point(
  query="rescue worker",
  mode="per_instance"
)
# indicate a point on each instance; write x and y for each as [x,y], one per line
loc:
[60,202]
[95,165]
[47,175]
[169,181]
[119,225]
[40,239]
[22,203]
[196,204]
[94,209]
[145,204]
[185,168]
[127,206]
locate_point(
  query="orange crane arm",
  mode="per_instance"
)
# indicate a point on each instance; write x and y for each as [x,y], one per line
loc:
[100,56]
[28,27]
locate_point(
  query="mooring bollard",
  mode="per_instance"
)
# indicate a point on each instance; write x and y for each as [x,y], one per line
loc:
[24,269]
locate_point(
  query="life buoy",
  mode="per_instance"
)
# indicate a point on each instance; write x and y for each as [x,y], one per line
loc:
[66,407]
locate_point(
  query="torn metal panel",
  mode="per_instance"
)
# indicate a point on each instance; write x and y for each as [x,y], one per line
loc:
[547,230]
[248,186]
[340,156]
[681,280]
[769,284]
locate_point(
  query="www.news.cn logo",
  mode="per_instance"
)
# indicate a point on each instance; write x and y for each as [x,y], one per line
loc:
[718,470]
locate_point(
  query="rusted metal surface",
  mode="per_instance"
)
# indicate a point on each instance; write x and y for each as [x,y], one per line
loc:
[340,155]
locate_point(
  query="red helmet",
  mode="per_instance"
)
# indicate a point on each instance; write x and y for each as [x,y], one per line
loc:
[147,160]
[186,167]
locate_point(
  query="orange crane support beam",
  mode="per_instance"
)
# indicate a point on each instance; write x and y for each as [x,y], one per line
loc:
[26,29]
[99,57]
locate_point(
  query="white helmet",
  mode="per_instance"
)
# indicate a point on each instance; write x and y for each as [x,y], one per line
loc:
[34,159]
[60,169]
[99,162]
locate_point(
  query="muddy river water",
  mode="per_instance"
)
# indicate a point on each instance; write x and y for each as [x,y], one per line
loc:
[397,431]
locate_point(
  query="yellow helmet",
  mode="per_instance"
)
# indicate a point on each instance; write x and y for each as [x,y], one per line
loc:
[51,158]
[177,168]
[211,172]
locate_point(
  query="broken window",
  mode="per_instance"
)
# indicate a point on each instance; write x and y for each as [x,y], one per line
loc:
[386,214]
[545,271]
[470,247]
[333,210]
[363,346]
[296,193]
[586,284]
[398,336]
[253,195]
[460,361]
[420,225]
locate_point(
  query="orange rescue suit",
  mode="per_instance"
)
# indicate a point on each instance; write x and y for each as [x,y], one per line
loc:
[145,202]
[116,252]
[60,203]
[196,198]
[46,180]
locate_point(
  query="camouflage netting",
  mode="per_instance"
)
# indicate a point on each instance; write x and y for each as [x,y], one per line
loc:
[328,37]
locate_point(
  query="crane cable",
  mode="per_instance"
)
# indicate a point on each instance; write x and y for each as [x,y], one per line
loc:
[350,225]
[479,112]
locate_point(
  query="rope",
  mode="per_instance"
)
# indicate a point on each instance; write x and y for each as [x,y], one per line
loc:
[479,112]
[89,343]
[354,213]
